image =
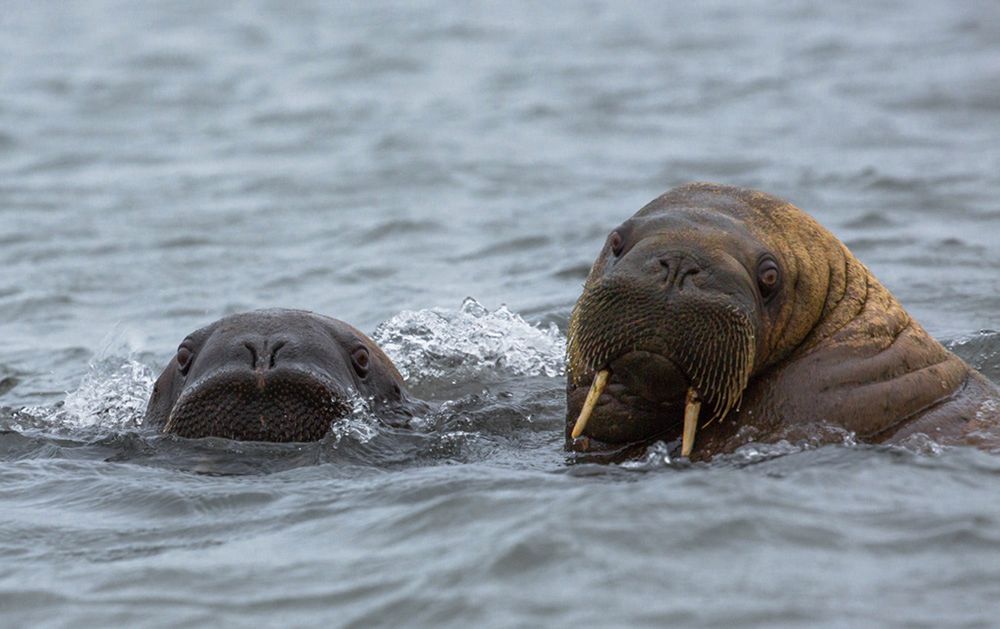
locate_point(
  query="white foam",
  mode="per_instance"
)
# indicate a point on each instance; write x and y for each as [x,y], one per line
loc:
[920,443]
[657,456]
[756,452]
[112,396]
[360,425]
[441,343]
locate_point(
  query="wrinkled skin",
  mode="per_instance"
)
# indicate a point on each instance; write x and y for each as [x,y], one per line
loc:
[780,329]
[274,375]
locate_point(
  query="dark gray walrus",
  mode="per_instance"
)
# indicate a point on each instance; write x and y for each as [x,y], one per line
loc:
[275,375]
[721,316]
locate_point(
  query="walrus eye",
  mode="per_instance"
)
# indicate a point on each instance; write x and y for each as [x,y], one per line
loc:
[361,361]
[184,355]
[768,277]
[616,242]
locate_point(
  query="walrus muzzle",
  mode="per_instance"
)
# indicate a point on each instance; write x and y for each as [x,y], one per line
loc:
[283,405]
[657,354]
[275,375]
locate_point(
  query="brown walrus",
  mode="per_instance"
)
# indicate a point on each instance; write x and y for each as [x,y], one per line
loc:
[722,316]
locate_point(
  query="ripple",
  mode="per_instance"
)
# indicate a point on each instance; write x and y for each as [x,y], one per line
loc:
[166,60]
[870,220]
[981,350]
[7,141]
[185,242]
[31,306]
[400,228]
[509,141]
[7,383]
[514,245]
[576,272]
[875,243]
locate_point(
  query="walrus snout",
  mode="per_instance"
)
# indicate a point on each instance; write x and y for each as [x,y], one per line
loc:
[275,375]
[666,319]
[269,403]
[671,270]
[262,385]
[262,352]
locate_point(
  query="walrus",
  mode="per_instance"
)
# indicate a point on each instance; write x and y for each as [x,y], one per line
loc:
[718,316]
[275,375]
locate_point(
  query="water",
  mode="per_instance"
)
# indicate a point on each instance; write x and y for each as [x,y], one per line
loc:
[164,164]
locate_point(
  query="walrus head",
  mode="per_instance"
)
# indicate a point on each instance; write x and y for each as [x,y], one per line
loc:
[687,302]
[272,375]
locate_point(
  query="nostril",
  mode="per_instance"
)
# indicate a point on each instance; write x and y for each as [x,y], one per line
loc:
[687,275]
[253,354]
[274,354]
[664,269]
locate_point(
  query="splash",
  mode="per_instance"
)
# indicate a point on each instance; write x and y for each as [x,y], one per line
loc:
[360,425]
[111,397]
[437,343]
[657,456]
[757,452]
[920,443]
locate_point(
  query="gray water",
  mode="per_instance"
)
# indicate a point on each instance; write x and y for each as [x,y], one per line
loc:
[164,164]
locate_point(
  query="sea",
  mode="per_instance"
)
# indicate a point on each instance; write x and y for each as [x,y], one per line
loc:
[442,175]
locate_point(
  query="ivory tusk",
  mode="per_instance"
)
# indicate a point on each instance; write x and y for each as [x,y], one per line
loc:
[692,408]
[600,381]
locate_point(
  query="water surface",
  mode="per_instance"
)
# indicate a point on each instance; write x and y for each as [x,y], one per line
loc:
[164,165]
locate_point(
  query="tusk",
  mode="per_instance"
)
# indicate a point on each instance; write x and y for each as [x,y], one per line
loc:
[600,381]
[167,427]
[691,409]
